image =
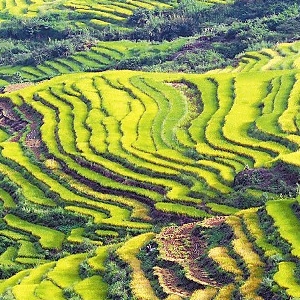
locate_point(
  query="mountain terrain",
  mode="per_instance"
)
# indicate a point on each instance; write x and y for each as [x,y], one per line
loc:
[149,150]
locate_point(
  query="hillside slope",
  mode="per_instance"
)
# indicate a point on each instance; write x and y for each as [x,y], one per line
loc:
[129,172]
[94,166]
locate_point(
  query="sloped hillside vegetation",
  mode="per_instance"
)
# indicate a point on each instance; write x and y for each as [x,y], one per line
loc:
[120,180]
[219,31]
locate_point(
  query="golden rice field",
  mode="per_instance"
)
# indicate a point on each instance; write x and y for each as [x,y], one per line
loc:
[92,13]
[101,170]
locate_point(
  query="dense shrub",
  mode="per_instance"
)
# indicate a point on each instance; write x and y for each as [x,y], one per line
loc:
[271,233]
[149,257]
[280,179]
[46,26]
[195,60]
[7,271]
[30,41]
[5,243]
[117,276]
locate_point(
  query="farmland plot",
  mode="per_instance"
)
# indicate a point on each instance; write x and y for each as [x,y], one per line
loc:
[149,175]
[96,13]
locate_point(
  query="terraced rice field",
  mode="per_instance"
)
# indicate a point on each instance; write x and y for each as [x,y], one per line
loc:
[92,13]
[102,56]
[97,163]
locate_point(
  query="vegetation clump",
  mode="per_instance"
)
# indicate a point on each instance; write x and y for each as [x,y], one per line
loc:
[280,179]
